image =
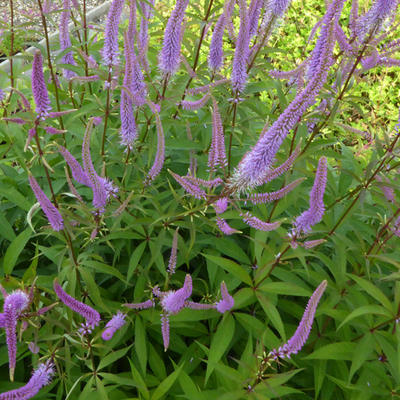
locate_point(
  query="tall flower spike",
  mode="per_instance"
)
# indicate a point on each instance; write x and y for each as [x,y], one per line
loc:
[170,54]
[41,377]
[115,323]
[14,304]
[314,214]
[174,249]
[53,215]
[77,172]
[372,22]
[39,89]
[91,316]
[96,182]
[65,41]
[160,155]
[256,163]
[133,78]
[239,66]
[216,55]
[227,302]
[143,37]
[296,342]
[217,154]
[110,49]
[254,15]
[128,132]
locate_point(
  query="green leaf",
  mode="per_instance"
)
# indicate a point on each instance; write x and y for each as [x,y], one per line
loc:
[134,261]
[111,357]
[370,309]
[139,382]
[140,343]
[232,267]
[362,351]
[272,314]
[373,291]
[165,385]
[220,342]
[104,269]
[333,351]
[285,288]
[15,249]
[6,229]
[92,287]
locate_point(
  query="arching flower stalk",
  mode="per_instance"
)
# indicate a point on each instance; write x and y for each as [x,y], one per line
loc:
[197,104]
[314,214]
[170,54]
[255,165]
[297,341]
[91,316]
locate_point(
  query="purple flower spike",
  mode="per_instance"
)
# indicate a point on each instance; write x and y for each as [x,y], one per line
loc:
[174,249]
[65,41]
[160,155]
[256,163]
[224,227]
[217,154]
[227,302]
[254,15]
[110,49]
[2,320]
[115,323]
[143,37]
[372,22]
[128,132]
[39,89]
[14,304]
[190,187]
[296,342]
[173,301]
[91,316]
[140,306]
[239,73]
[314,214]
[40,377]
[165,330]
[170,53]
[256,223]
[221,205]
[267,197]
[53,215]
[133,79]
[216,55]
[77,172]
[197,104]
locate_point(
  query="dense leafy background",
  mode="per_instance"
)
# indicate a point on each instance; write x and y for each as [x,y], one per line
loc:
[353,351]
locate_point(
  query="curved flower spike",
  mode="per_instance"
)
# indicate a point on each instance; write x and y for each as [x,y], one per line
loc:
[314,214]
[296,342]
[53,215]
[91,316]
[40,377]
[173,301]
[115,323]
[227,302]
[140,306]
